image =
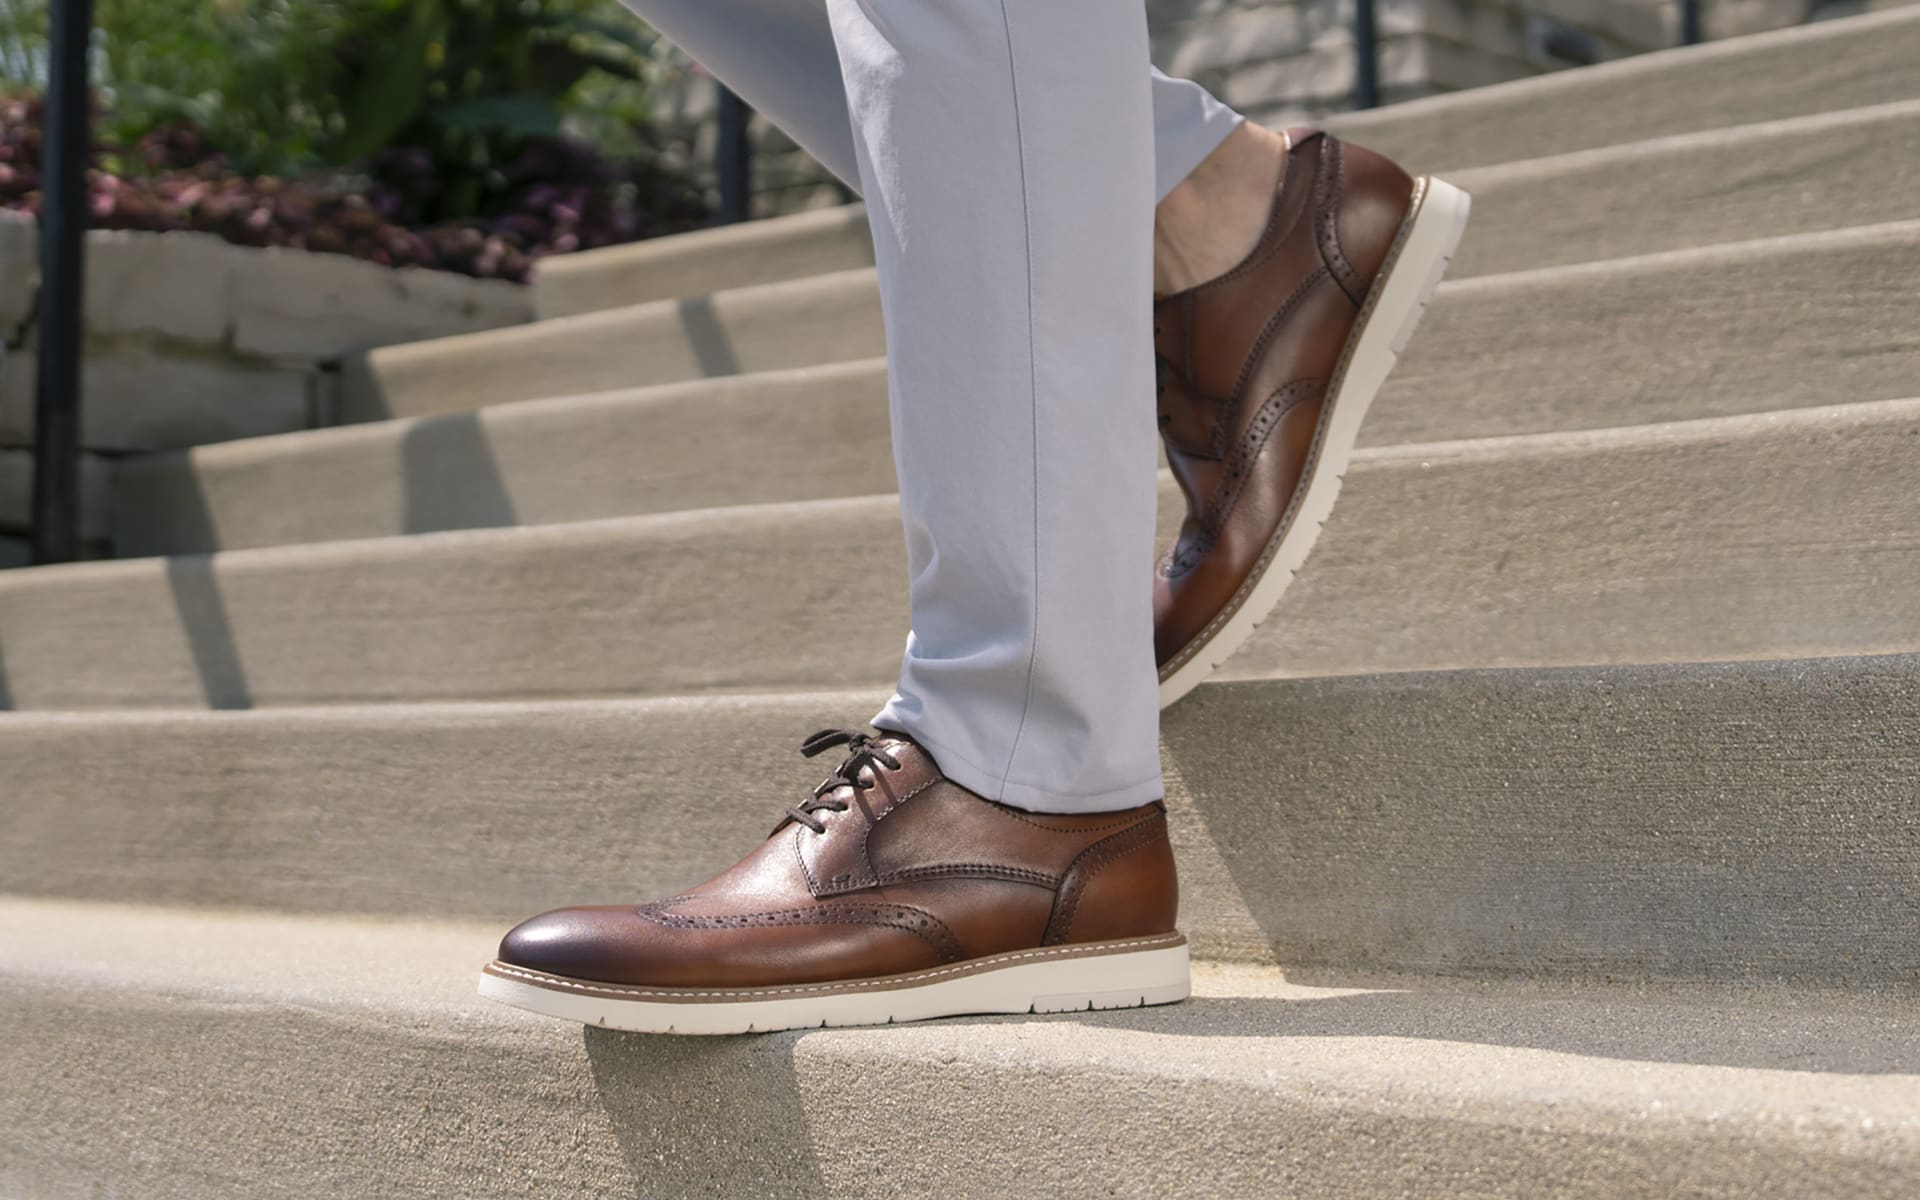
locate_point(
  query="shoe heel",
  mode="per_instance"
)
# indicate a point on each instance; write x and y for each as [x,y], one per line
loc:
[1145,977]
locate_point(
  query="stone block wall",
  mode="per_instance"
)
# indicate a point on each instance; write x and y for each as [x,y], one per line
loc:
[1288,61]
[191,340]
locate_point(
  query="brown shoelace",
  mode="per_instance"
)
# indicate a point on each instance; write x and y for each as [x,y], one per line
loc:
[863,751]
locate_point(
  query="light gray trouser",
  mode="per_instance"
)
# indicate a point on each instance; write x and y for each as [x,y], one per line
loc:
[1011,153]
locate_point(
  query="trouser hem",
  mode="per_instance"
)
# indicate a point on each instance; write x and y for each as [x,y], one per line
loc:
[993,785]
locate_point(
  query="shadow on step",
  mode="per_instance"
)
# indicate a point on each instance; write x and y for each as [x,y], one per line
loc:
[6,692]
[707,337]
[672,1102]
[209,631]
[452,478]
[1778,1033]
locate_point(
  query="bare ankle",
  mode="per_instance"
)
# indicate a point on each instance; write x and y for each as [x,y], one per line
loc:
[1214,218]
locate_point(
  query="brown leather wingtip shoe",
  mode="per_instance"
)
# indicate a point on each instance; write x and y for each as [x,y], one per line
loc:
[1265,375]
[891,894]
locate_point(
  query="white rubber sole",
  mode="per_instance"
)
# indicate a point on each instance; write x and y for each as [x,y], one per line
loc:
[1124,974]
[1421,254]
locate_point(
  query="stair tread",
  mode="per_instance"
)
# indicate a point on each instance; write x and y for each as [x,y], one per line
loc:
[366,1038]
[1828,1047]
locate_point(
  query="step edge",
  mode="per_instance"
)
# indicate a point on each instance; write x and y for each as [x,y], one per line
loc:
[1901,233]
[385,714]
[1529,169]
[253,450]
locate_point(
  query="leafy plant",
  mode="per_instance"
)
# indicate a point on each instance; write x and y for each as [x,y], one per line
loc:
[558,196]
[287,86]
[474,81]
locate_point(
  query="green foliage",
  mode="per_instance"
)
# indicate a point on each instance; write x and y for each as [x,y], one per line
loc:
[286,86]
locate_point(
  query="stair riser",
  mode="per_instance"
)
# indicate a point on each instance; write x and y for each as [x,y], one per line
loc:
[1770,325]
[1706,540]
[267,1099]
[1537,824]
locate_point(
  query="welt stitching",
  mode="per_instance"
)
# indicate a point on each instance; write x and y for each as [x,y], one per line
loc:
[947,870]
[813,885]
[1067,829]
[499,968]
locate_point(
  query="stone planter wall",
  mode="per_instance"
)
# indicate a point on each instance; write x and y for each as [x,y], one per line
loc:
[191,340]
[1292,61]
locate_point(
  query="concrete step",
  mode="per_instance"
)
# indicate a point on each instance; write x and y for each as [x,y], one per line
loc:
[740,439]
[800,323]
[1744,822]
[1823,67]
[1812,319]
[259,1056]
[695,264]
[1761,536]
[1675,319]
[1801,174]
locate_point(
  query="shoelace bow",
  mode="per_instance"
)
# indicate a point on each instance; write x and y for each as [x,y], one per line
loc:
[863,751]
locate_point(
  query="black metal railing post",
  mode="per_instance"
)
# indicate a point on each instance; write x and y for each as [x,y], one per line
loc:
[1690,33]
[1366,56]
[734,159]
[63,243]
